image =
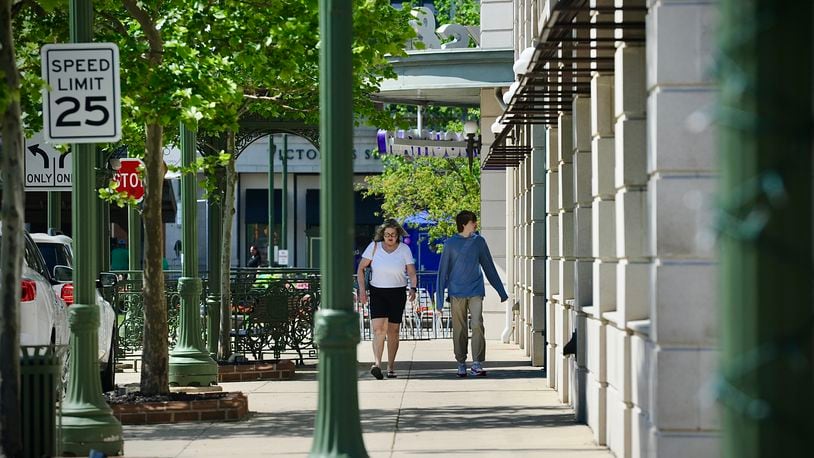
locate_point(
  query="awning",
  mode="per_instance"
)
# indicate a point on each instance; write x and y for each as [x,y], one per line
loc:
[506,150]
[576,41]
[447,77]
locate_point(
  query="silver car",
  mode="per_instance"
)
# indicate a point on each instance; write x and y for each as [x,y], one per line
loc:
[57,251]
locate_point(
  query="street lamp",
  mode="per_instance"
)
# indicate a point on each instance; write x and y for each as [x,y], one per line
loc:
[473,144]
[190,364]
[87,421]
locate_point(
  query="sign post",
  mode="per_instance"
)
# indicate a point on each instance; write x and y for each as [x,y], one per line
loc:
[82,103]
[81,106]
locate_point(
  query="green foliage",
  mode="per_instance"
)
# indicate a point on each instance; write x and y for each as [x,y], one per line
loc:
[442,187]
[433,117]
[464,12]
[220,60]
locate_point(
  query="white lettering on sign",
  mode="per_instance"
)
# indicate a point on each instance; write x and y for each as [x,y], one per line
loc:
[46,168]
[82,103]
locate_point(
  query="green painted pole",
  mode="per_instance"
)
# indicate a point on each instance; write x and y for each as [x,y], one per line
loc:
[190,364]
[103,210]
[214,241]
[133,238]
[55,210]
[766,228]
[87,421]
[272,150]
[284,209]
[337,431]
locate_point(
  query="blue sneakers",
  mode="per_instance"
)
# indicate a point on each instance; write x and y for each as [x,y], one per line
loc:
[477,369]
[461,369]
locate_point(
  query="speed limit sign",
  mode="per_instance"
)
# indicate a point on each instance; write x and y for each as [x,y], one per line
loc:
[82,100]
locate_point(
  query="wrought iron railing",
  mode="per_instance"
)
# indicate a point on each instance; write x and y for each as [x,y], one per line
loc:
[421,320]
[128,300]
[272,312]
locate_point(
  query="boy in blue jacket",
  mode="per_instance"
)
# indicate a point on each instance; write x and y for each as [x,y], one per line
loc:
[465,253]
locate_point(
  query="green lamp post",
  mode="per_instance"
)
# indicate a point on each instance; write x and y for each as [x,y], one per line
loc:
[284,203]
[190,364]
[87,421]
[272,151]
[765,225]
[54,210]
[133,238]
[337,431]
[214,225]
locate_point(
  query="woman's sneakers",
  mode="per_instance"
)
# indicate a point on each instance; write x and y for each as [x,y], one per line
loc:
[376,371]
[461,369]
[477,370]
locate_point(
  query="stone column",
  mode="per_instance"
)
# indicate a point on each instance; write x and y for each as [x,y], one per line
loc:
[603,249]
[568,256]
[633,269]
[526,199]
[537,232]
[520,261]
[583,266]
[517,287]
[554,256]
[509,333]
[494,202]
[682,177]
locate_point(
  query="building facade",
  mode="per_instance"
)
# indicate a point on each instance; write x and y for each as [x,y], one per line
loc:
[610,169]
[300,233]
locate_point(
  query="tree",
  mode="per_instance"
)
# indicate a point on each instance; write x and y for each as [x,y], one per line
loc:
[441,186]
[207,63]
[283,38]
[11,242]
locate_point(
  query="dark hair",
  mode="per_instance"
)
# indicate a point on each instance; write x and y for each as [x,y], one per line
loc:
[463,218]
[392,224]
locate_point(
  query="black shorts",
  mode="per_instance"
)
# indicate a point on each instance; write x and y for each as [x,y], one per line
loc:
[388,303]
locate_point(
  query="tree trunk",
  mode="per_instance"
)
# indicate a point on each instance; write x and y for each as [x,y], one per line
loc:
[224,347]
[11,243]
[155,367]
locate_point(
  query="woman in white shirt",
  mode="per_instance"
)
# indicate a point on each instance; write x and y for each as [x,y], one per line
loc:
[389,260]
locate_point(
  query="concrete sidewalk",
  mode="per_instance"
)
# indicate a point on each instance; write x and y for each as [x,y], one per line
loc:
[426,410]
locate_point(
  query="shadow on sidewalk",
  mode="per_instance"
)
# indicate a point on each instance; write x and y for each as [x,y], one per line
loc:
[428,370]
[412,420]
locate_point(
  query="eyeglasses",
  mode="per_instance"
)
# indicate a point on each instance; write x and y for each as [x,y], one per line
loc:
[390,234]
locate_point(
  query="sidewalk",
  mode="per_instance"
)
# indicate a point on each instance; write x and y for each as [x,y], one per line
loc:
[427,410]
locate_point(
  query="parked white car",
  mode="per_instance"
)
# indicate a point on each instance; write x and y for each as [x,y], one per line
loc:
[57,251]
[43,319]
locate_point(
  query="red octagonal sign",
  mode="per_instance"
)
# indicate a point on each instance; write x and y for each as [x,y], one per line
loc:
[129,179]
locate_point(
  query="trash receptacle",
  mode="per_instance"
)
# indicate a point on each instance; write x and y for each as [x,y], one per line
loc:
[39,393]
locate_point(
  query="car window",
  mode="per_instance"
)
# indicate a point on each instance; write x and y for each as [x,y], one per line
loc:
[34,259]
[55,254]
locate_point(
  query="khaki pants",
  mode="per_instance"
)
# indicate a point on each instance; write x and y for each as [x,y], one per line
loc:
[461,307]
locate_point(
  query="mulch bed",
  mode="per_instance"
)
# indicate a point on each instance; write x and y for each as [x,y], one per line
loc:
[135,408]
[136,397]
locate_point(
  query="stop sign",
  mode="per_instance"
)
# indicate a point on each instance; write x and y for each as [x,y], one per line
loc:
[129,179]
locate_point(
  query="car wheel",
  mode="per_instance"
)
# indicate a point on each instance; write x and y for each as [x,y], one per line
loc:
[108,374]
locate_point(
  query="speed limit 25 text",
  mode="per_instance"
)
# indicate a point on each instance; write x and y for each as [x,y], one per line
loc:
[74,66]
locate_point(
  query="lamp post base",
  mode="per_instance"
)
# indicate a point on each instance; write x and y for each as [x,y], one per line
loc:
[192,368]
[337,429]
[95,429]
